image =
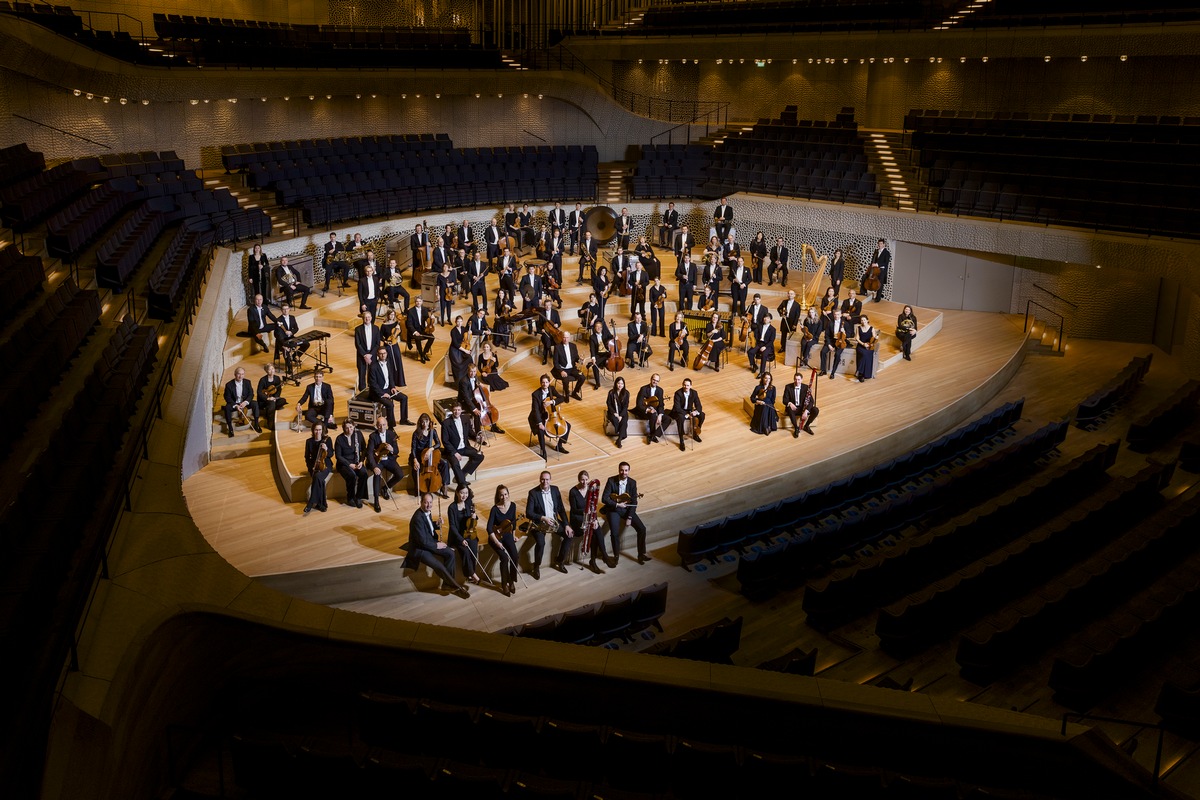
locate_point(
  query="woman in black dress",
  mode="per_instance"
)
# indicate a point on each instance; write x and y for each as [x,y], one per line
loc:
[318,448]
[758,254]
[461,514]
[837,270]
[600,285]
[489,368]
[830,301]
[906,331]
[714,332]
[616,409]
[864,350]
[766,418]
[504,543]
[424,437]
[391,333]
[501,327]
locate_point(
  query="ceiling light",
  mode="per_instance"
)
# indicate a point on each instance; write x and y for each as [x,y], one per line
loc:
[145,102]
[962,59]
[123,101]
[985,59]
[77,92]
[403,96]
[539,97]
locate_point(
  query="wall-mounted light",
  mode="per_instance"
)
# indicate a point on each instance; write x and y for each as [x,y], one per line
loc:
[76,92]
[145,102]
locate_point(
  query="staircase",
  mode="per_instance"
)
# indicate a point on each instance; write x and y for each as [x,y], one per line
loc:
[283,220]
[1044,339]
[614,185]
[896,175]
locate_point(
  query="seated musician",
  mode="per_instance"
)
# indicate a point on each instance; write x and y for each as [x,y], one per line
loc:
[319,397]
[567,367]
[851,307]
[829,302]
[270,395]
[458,356]
[638,346]
[714,332]
[686,406]
[239,395]
[489,368]
[425,442]
[477,326]
[474,399]
[763,352]
[424,547]
[651,406]
[393,285]
[598,346]
[419,335]
[384,388]
[542,403]
[677,341]
[616,409]
[260,323]
[796,398]
[813,326]
[289,283]
[837,333]
[382,452]
[458,432]
[286,328]
[549,314]
[589,312]
[351,451]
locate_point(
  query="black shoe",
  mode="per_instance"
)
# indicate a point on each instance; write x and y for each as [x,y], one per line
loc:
[376,506]
[671,366]
[643,558]
[795,433]
[697,438]
[306,306]
[619,443]
[576,395]
[682,447]
[821,374]
[463,592]
[307,509]
[257,428]
[809,431]
[504,591]
[231,434]
[407,422]
[497,429]
[544,456]
[536,572]
[512,588]
[385,494]
[595,568]
[559,567]
[323,507]
[442,493]
[559,447]
[861,379]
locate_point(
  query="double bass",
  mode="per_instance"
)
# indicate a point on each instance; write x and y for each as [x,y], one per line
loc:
[483,398]
[871,282]
[616,360]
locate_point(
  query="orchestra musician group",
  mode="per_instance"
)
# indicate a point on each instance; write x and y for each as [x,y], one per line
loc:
[454,450]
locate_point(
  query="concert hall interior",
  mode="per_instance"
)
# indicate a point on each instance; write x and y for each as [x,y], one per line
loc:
[958,569]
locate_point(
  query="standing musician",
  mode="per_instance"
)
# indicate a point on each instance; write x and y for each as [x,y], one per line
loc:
[457,537]
[639,286]
[418,243]
[530,289]
[544,505]
[589,248]
[473,400]
[270,395]
[466,237]
[763,351]
[837,271]
[548,314]
[851,308]
[525,224]
[797,398]
[714,332]
[906,331]
[370,287]
[575,223]
[504,543]
[579,522]
[543,399]
[289,283]
[598,343]
[329,265]
[286,328]
[864,349]
[424,546]
[512,224]
[260,323]
[677,340]
[382,451]
[789,315]
[393,285]
[507,268]
[424,438]
[601,288]
[616,409]
[621,266]
[651,406]
[814,326]
[658,311]
[837,334]
[318,448]
[687,404]
[779,262]
[685,242]
[552,277]
[351,451]
[567,367]
[501,326]
[384,388]
[685,273]
[882,259]
[723,219]
[418,329]
[758,254]
[558,220]
[366,341]
[239,394]
[457,434]
[491,238]
[446,286]
[319,397]
[258,272]
[668,226]
[738,277]
[477,273]
[624,229]
[620,501]
[638,346]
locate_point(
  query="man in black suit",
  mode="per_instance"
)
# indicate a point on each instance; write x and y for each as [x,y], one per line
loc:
[477,271]
[239,393]
[393,284]
[286,328]
[466,237]
[366,340]
[739,276]
[723,219]
[589,248]
[382,454]
[851,307]
[544,505]
[424,547]
[260,324]
[778,261]
[624,228]
[575,223]
[882,258]
[731,252]
[530,289]
[549,314]
[638,341]
[351,451]
[418,318]
[493,239]
[831,351]
[539,415]
[619,511]
[756,310]
[333,247]
[796,397]
[685,273]
[685,242]
[763,351]
[441,255]
[567,367]
[558,219]
[687,404]
[668,226]
[457,434]
[476,406]
[319,397]
[789,315]
[651,406]
[418,242]
[289,283]
[384,388]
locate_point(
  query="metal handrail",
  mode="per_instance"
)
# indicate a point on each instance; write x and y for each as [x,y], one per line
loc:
[1062,321]
[1056,297]
[722,119]
[1158,726]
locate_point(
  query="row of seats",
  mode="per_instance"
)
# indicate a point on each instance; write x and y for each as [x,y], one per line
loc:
[22,276]
[18,162]
[327,55]
[1142,127]
[597,623]
[236,157]
[715,18]
[1161,534]
[716,537]
[170,275]
[57,18]
[915,560]
[670,170]
[28,200]
[1102,401]
[261,32]
[714,643]
[944,605]
[119,255]
[1165,420]
[70,230]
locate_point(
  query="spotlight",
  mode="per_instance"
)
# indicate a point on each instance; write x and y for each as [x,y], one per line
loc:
[477,95]
[985,59]
[794,61]
[962,59]
[1124,57]
[312,97]
[357,96]
[145,102]
[374,96]
[328,97]
[1047,59]
[932,59]
[906,59]
[263,99]
[123,101]
[77,93]
[845,61]
[403,96]
[1083,58]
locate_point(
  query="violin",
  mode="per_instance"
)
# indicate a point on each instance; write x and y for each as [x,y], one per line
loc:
[710,303]
[382,451]
[616,361]
[840,339]
[320,462]
[626,498]
[468,342]
[517,528]
[679,337]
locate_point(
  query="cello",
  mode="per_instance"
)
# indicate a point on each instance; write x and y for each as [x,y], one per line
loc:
[429,475]
[556,424]
[483,398]
[703,356]
[616,361]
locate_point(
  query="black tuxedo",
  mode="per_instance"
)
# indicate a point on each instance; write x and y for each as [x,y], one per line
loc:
[789,318]
[454,445]
[331,248]
[535,509]
[558,219]
[616,514]
[575,223]
[538,416]
[852,309]
[685,243]
[837,273]
[884,259]
[573,372]
[830,348]
[259,323]
[764,345]
[668,226]
[794,402]
[492,237]
[320,403]
[685,273]
[682,408]
[285,328]
[418,317]
[654,415]
[231,399]
[779,254]
[723,220]
[285,273]
[351,453]
[365,345]
[381,379]
[423,546]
